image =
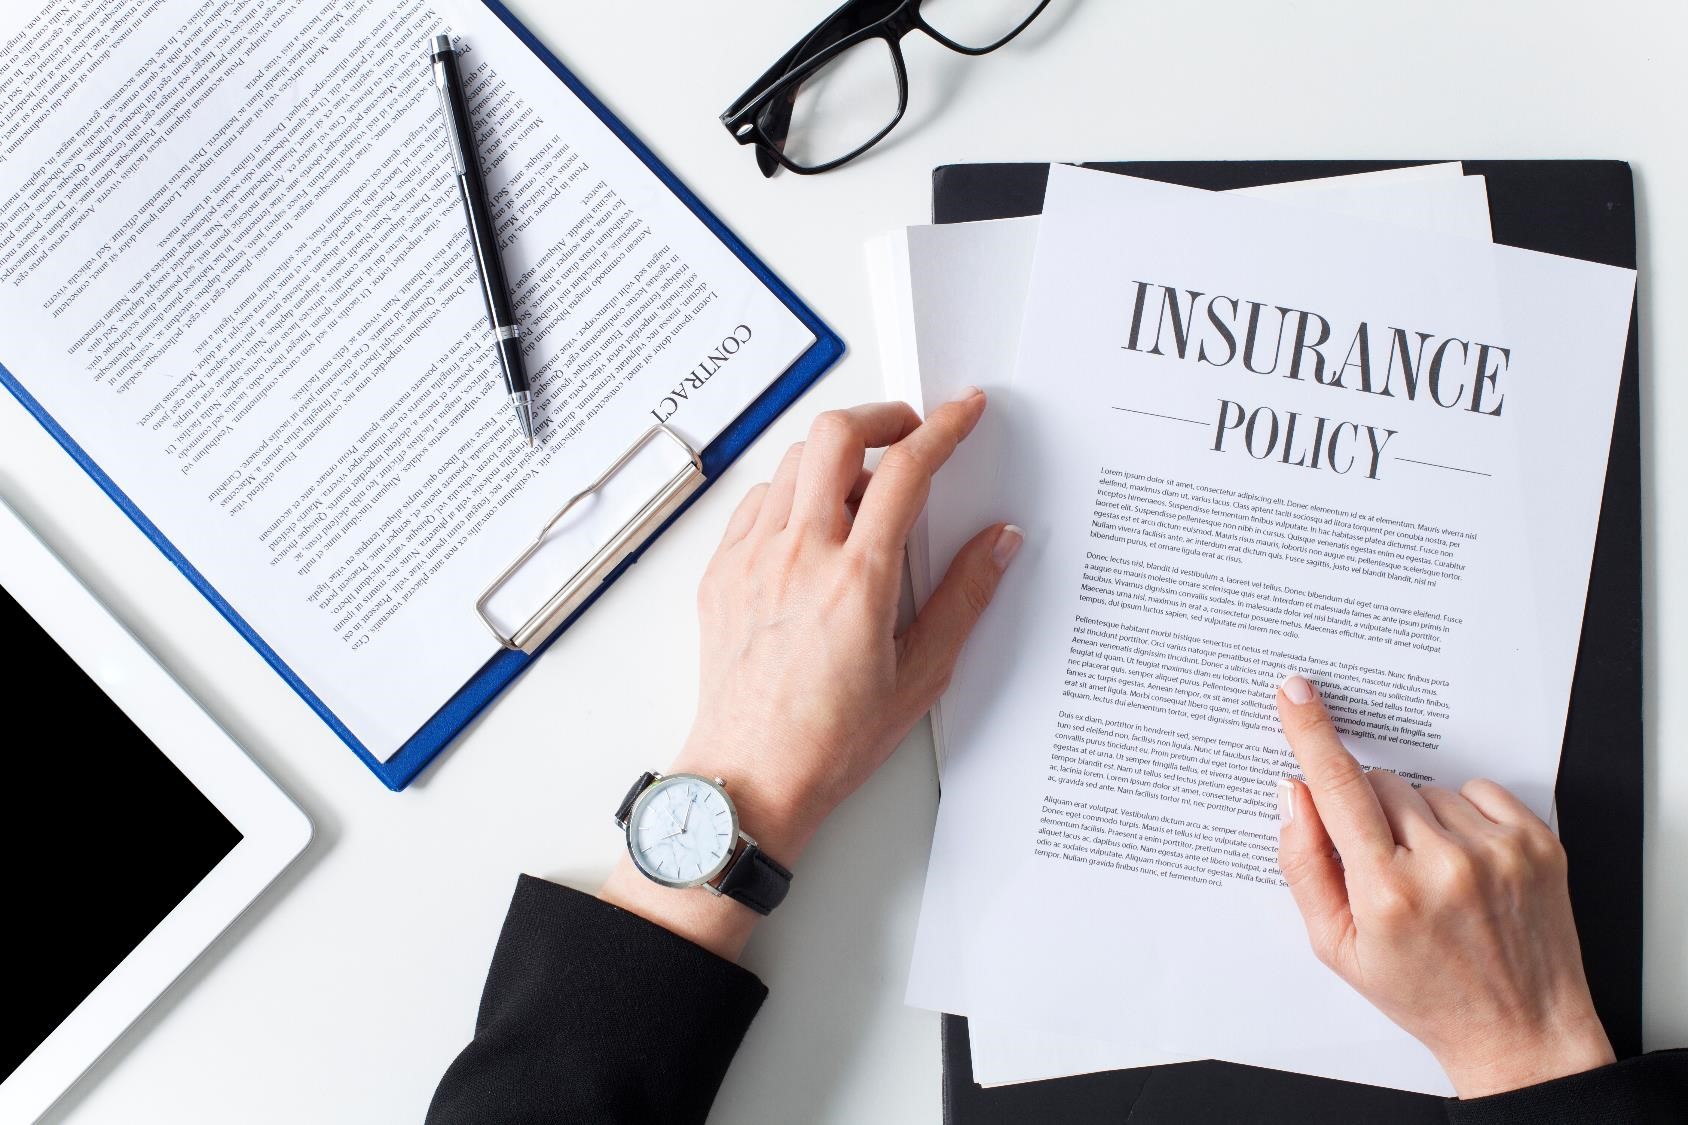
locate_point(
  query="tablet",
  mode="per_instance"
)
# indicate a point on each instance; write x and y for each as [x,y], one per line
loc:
[135,829]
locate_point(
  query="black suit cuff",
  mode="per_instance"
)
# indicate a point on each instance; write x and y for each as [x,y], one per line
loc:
[593,1014]
[1639,1091]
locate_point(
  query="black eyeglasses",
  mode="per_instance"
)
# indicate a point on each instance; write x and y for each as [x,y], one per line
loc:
[844,86]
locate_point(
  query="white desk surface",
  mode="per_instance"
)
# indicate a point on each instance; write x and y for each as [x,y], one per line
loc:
[345,993]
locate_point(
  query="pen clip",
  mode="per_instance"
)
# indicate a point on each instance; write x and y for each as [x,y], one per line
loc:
[454,135]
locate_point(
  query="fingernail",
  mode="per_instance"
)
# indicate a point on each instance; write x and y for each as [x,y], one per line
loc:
[1286,801]
[1008,542]
[1297,690]
[967,392]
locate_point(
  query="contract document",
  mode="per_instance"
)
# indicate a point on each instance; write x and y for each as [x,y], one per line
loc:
[234,268]
[1246,440]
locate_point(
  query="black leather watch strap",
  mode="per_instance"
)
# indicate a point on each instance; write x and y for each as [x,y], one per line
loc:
[627,802]
[756,880]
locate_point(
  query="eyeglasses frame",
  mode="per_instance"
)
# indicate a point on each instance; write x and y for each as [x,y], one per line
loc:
[794,68]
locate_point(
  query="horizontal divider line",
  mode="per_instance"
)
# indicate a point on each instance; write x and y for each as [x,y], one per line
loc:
[1450,468]
[1168,417]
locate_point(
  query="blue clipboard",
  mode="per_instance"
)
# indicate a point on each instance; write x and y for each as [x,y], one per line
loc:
[498,672]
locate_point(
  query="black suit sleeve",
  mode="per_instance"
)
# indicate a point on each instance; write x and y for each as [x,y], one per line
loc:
[591,1014]
[1639,1091]
[594,1015]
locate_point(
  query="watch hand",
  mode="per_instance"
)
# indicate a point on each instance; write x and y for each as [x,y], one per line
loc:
[688,818]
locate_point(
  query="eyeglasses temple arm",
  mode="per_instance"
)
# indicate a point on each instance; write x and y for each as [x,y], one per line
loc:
[811,44]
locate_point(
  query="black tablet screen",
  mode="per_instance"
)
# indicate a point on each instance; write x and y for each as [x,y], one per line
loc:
[102,835]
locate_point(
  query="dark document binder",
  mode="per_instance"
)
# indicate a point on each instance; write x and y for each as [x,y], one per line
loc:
[1578,208]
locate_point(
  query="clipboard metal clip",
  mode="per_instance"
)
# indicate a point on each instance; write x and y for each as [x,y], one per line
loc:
[678,489]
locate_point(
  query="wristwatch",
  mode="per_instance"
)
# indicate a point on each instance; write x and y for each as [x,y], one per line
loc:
[683,831]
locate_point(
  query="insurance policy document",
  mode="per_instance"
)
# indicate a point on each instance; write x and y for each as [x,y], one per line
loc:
[949,309]
[234,267]
[1248,440]
[948,302]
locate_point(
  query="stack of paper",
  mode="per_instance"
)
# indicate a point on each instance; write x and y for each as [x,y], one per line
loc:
[1329,429]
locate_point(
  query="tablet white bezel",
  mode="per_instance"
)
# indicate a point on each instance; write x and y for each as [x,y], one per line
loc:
[273,829]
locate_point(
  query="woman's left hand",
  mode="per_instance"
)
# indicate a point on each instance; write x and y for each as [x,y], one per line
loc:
[806,684]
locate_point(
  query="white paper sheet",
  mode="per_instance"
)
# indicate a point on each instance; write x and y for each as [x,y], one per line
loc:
[992,908]
[964,326]
[236,271]
[974,283]
[948,300]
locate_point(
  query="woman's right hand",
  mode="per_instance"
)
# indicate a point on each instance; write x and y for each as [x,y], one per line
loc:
[1448,911]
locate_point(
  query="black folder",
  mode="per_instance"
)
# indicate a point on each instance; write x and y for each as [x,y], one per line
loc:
[1577,208]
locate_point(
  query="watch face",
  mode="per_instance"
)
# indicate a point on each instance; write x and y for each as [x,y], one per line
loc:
[682,831]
